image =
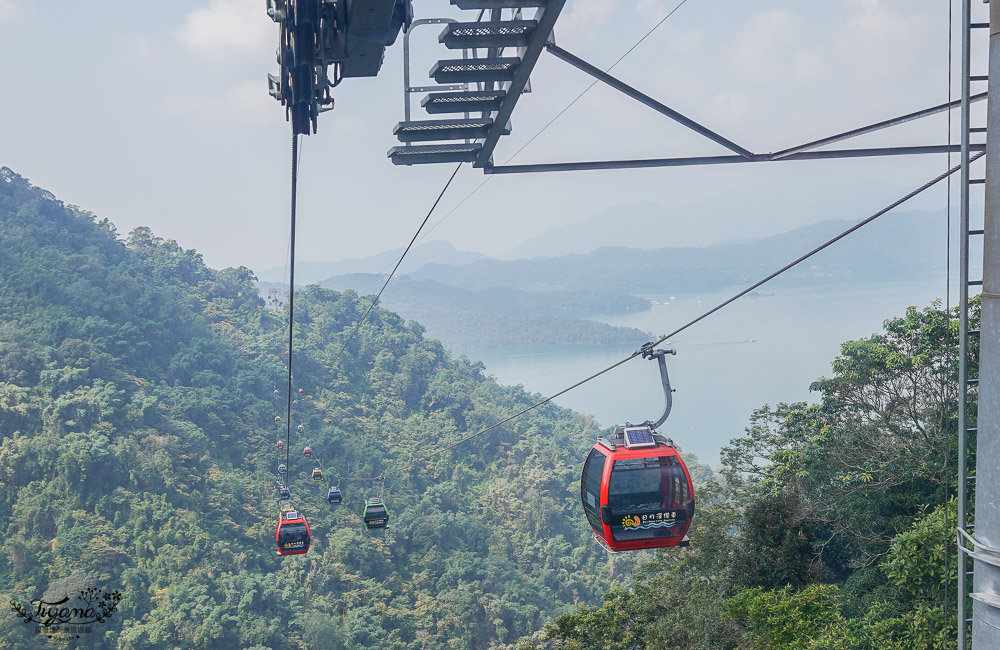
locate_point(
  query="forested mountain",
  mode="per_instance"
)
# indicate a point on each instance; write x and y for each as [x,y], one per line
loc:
[137,453]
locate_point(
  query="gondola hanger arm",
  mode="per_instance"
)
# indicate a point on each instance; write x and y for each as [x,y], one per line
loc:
[649,353]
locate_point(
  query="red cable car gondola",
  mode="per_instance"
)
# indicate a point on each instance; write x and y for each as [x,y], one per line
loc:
[635,487]
[292,534]
[637,491]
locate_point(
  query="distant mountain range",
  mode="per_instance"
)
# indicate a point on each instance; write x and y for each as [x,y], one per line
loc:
[466,320]
[470,301]
[898,246]
[731,218]
[437,251]
[641,225]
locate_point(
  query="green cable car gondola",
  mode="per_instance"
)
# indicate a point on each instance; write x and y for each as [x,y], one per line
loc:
[375,515]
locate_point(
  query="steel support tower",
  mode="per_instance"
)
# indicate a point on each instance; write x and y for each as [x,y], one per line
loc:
[984,546]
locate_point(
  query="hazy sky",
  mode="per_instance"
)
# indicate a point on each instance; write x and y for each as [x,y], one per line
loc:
[158,114]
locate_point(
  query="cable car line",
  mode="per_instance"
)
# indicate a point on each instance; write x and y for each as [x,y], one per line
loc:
[391,274]
[947,310]
[291,535]
[291,296]
[895,204]
[648,347]
[558,115]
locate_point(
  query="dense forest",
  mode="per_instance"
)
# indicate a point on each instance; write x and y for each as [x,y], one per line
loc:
[137,455]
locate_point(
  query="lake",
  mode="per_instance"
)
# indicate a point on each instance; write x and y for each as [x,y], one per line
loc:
[758,350]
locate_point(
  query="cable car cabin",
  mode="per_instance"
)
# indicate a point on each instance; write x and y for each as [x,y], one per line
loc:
[292,535]
[334,497]
[317,474]
[284,494]
[281,445]
[376,515]
[637,491]
[307,452]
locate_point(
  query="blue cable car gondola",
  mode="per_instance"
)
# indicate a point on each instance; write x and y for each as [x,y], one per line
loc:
[284,494]
[334,496]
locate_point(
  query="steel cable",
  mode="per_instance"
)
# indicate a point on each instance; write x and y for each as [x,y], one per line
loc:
[680,329]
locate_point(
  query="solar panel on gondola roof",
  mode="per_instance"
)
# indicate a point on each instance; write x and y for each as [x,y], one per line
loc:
[638,437]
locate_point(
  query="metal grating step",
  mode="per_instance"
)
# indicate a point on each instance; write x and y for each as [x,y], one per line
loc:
[507,33]
[461,70]
[473,101]
[427,130]
[434,153]
[497,4]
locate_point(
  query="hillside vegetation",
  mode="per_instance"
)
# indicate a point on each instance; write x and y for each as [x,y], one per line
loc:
[137,452]
[832,527]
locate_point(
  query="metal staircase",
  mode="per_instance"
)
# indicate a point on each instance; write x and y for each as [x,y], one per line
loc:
[490,82]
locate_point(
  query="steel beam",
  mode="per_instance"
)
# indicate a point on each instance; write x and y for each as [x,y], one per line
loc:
[659,107]
[722,160]
[546,17]
[878,126]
